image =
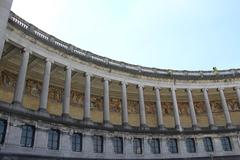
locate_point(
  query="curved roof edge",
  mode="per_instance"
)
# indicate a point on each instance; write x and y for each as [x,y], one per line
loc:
[70,49]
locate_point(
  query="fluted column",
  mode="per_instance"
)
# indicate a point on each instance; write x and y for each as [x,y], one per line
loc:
[106,116]
[238,93]
[208,108]
[5,7]
[45,86]
[142,107]
[20,85]
[87,98]
[124,104]
[67,91]
[175,110]
[159,108]
[192,109]
[225,107]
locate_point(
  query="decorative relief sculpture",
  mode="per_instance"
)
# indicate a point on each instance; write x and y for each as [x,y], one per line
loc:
[199,107]
[216,106]
[133,107]
[183,108]
[115,105]
[167,108]
[96,102]
[233,105]
[150,107]
[8,80]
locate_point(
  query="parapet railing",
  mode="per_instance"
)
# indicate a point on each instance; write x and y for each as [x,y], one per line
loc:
[113,64]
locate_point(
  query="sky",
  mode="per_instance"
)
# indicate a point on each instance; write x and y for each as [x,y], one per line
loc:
[167,34]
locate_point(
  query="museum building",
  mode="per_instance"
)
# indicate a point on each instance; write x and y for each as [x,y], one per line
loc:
[58,101]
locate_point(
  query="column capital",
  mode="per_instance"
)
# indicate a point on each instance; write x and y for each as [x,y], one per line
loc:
[69,67]
[49,60]
[236,88]
[106,79]
[156,88]
[204,89]
[172,89]
[123,83]
[26,50]
[188,89]
[220,88]
[140,86]
[88,74]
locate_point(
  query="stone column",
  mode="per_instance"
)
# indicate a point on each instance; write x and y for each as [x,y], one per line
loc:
[141,107]
[192,109]
[238,93]
[67,91]
[45,86]
[175,110]
[159,109]
[124,105]
[87,98]
[208,109]
[20,84]
[5,7]
[225,107]
[106,116]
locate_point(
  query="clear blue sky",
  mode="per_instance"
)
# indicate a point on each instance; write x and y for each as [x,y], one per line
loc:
[175,34]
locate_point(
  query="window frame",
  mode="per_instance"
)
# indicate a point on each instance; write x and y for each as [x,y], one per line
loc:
[172,144]
[155,146]
[76,142]
[190,145]
[53,139]
[3,123]
[226,143]
[118,145]
[208,144]
[27,135]
[98,144]
[137,146]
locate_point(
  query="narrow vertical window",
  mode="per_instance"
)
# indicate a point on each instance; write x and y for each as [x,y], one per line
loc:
[208,145]
[53,139]
[155,146]
[118,145]
[226,143]
[3,127]
[98,144]
[190,145]
[27,137]
[77,142]
[172,145]
[137,145]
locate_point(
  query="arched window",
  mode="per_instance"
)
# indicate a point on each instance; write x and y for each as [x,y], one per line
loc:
[190,144]
[137,145]
[77,142]
[155,145]
[53,139]
[172,145]
[226,144]
[27,137]
[208,145]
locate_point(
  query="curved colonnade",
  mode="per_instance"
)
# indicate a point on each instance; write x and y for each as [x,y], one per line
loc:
[45,60]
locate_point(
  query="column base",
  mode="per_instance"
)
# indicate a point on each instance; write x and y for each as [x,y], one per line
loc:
[196,127]
[144,127]
[178,128]
[43,110]
[87,121]
[125,125]
[213,127]
[17,104]
[161,127]
[230,126]
[66,116]
[107,124]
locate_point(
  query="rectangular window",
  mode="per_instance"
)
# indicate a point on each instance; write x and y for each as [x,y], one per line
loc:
[77,142]
[53,139]
[190,144]
[3,127]
[137,145]
[155,145]
[118,145]
[27,137]
[226,143]
[98,144]
[208,145]
[172,145]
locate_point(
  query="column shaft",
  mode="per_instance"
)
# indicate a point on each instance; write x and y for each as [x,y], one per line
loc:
[67,91]
[124,104]
[20,85]
[159,109]
[106,116]
[175,110]
[238,94]
[225,107]
[87,98]
[208,108]
[191,108]
[5,7]
[141,107]
[45,86]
